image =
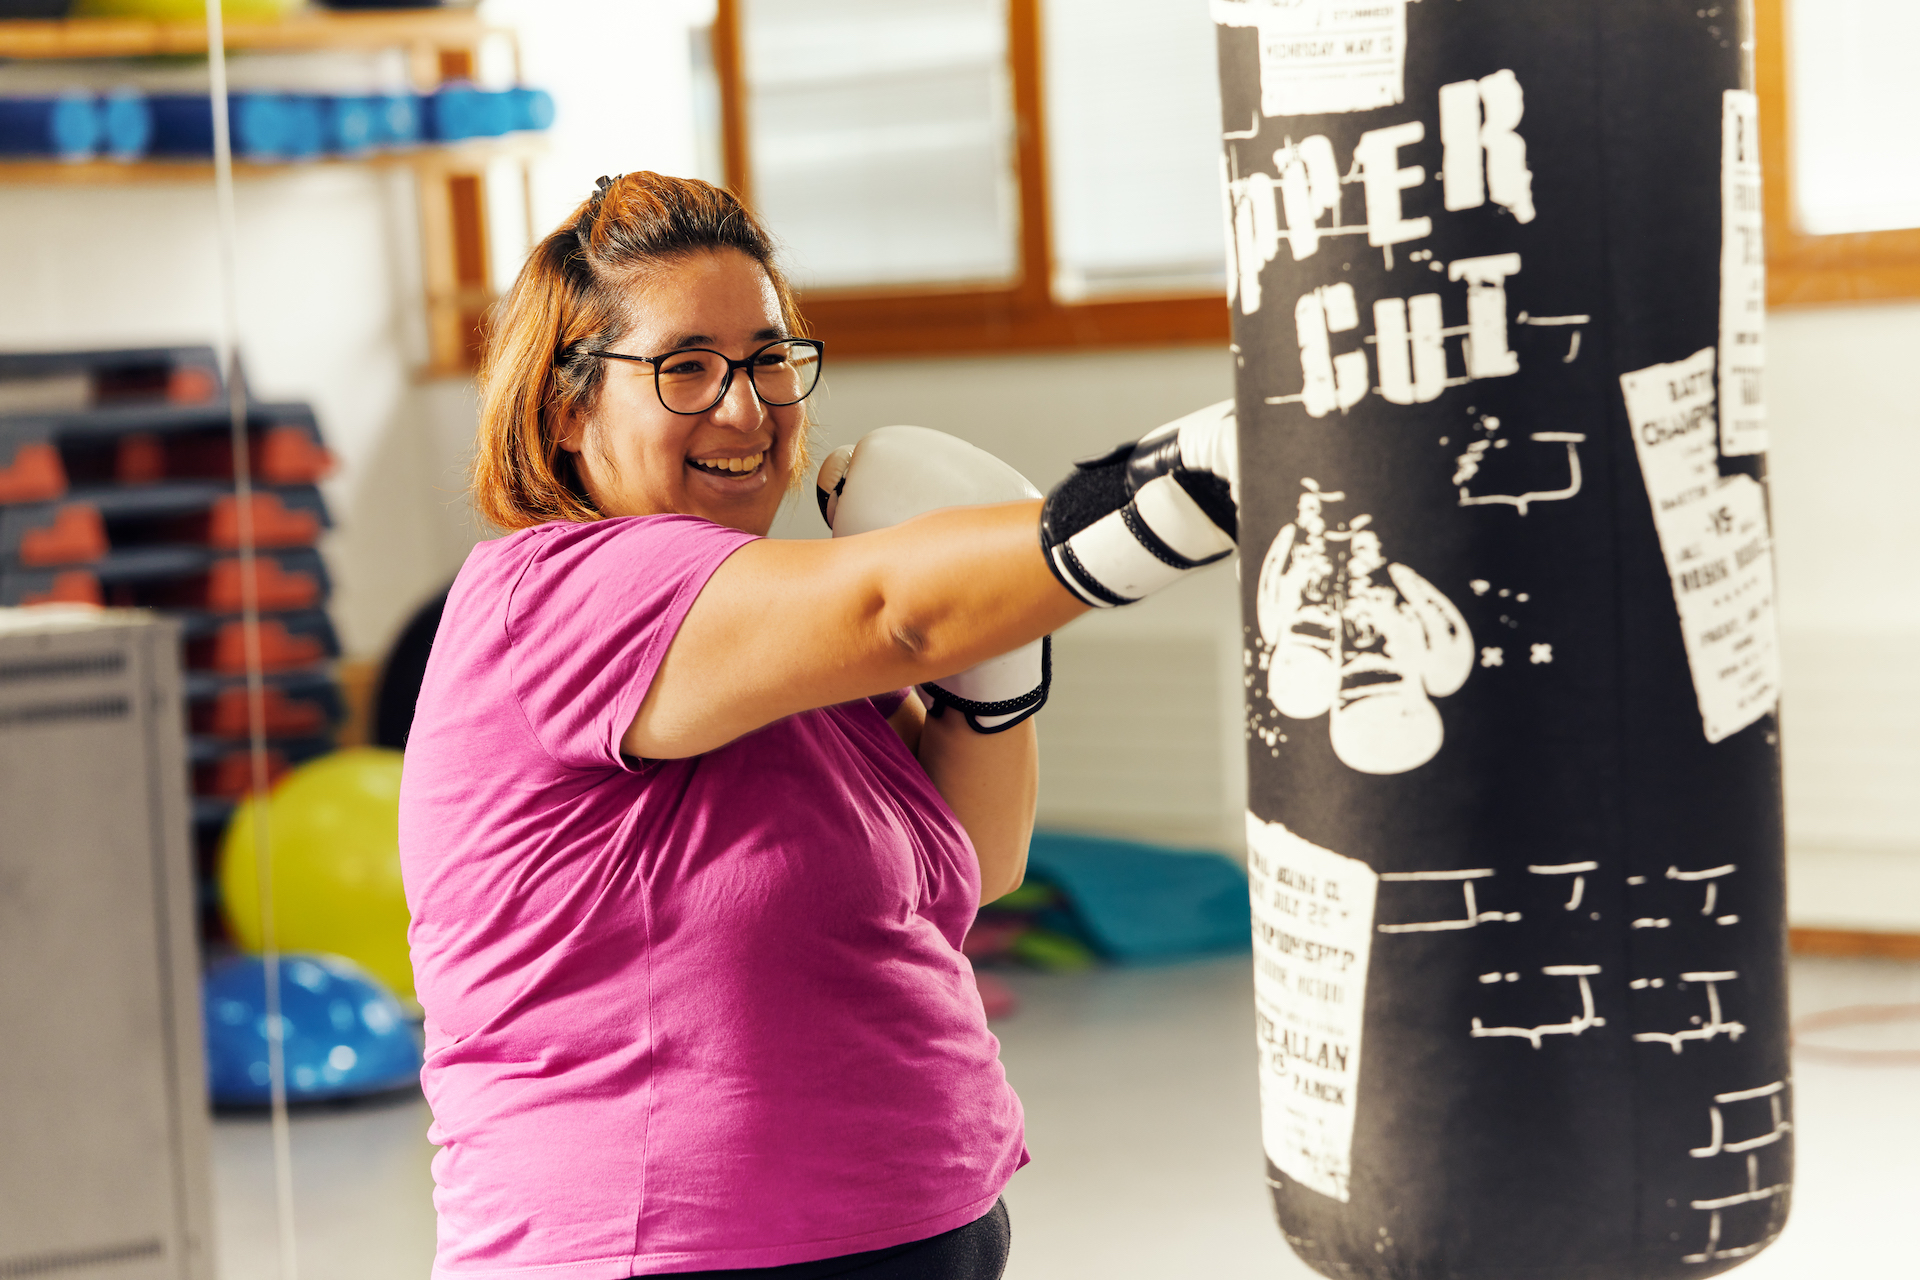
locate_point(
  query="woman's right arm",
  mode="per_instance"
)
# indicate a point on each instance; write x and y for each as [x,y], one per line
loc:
[785,626]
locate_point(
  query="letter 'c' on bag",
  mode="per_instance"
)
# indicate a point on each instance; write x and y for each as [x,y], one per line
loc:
[1514,828]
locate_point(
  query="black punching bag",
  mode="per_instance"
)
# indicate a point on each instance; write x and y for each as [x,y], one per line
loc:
[1514,815]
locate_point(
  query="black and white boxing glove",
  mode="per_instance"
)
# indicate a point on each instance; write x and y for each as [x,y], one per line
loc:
[897,473]
[1130,522]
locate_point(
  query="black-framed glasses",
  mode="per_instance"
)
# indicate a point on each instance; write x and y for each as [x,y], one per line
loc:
[695,379]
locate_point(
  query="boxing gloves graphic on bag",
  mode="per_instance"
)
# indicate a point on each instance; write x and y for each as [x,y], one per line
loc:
[1119,527]
[1351,636]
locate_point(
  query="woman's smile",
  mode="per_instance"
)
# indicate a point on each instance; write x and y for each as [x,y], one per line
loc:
[732,467]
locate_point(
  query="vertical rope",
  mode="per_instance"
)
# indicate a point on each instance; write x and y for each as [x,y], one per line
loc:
[228,235]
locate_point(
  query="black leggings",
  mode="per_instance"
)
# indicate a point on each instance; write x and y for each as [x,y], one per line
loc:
[977,1251]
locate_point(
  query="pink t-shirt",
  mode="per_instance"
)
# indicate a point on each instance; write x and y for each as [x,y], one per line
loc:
[686,1014]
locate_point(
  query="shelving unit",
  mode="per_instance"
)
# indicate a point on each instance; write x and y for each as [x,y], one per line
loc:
[427,35]
[440,44]
[145,37]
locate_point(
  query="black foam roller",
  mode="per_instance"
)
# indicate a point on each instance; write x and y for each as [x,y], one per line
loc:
[403,671]
[1514,812]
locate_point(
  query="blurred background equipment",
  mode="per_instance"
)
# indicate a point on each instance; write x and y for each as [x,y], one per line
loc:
[182,10]
[345,1034]
[103,1134]
[421,106]
[66,126]
[400,675]
[125,123]
[1088,899]
[333,831]
[117,488]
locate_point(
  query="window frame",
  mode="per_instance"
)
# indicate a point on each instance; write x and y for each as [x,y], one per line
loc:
[1021,316]
[1802,269]
[1025,316]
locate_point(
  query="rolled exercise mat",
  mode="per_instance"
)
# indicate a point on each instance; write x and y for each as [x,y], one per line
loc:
[532,109]
[264,125]
[1514,808]
[397,121]
[456,112]
[65,126]
[351,123]
[126,124]
[306,126]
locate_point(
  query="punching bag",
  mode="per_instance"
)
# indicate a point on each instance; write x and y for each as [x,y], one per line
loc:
[1514,816]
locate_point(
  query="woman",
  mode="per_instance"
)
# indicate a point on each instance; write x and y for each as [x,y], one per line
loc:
[688,886]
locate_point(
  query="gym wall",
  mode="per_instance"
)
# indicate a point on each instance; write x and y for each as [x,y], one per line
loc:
[330,315]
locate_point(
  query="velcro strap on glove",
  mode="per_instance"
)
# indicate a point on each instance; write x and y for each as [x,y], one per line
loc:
[1127,523]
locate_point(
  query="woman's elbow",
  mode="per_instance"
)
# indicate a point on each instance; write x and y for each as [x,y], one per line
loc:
[992,895]
[920,639]
[999,880]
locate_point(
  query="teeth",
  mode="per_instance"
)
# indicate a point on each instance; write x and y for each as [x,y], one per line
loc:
[750,463]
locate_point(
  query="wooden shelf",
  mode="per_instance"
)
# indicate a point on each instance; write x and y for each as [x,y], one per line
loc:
[143,37]
[440,44]
[465,156]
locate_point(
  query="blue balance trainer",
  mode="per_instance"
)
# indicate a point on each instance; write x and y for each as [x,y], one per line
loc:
[344,1034]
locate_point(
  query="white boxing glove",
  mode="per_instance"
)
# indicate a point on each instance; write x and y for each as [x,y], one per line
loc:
[897,473]
[1129,522]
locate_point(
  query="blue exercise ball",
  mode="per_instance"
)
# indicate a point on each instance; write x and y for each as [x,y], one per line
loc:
[345,1035]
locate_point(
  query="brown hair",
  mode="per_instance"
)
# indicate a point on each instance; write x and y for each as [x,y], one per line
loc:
[572,297]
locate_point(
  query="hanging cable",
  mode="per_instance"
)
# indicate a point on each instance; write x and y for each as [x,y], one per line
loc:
[228,238]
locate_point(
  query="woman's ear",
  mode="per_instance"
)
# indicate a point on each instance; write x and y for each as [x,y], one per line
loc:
[571,431]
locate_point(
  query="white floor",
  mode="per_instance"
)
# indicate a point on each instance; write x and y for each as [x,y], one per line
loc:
[1141,1113]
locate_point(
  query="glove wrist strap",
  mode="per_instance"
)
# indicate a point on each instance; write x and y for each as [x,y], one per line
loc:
[995,717]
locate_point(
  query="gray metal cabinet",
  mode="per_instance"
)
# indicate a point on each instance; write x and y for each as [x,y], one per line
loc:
[103,1111]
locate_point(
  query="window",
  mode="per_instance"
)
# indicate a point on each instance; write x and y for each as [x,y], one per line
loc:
[1838,106]
[900,150]
[1853,102]
[1133,142]
[882,139]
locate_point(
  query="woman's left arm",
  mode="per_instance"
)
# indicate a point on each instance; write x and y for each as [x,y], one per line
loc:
[989,780]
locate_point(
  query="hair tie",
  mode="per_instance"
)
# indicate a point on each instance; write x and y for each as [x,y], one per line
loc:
[583,229]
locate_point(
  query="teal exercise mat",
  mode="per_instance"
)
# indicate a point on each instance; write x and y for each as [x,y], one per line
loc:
[1142,903]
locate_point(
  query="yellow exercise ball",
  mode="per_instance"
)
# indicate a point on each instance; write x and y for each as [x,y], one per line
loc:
[333,826]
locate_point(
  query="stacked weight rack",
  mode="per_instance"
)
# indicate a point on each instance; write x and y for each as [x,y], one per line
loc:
[117,488]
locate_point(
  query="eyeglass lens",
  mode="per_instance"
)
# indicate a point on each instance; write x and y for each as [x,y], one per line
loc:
[693,381]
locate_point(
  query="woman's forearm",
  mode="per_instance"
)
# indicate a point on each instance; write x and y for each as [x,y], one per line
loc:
[783,627]
[991,782]
[959,586]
